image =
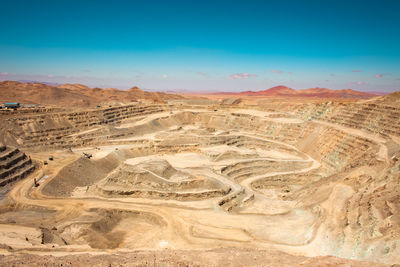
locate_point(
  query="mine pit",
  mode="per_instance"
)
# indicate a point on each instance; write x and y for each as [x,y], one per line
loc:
[184,177]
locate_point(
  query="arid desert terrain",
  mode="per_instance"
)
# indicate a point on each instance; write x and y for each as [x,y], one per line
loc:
[169,180]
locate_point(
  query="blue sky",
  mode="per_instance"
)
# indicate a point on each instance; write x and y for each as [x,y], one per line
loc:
[203,45]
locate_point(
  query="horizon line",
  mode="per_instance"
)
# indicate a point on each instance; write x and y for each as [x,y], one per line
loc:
[188,91]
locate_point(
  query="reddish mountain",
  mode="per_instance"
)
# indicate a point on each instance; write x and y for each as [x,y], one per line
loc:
[379,93]
[283,91]
[279,90]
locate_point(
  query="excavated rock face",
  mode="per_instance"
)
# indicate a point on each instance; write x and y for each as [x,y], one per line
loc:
[14,166]
[155,178]
[320,179]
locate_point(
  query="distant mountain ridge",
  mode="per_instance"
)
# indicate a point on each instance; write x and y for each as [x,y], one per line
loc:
[46,83]
[284,91]
[74,95]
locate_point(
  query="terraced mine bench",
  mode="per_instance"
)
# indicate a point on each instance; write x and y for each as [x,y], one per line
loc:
[14,165]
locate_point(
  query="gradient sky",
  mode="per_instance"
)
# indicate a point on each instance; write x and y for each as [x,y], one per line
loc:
[203,45]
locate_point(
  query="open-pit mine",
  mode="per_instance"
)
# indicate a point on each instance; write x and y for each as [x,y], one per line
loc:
[224,183]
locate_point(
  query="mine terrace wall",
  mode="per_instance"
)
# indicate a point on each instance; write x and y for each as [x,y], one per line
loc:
[54,130]
[378,119]
[14,165]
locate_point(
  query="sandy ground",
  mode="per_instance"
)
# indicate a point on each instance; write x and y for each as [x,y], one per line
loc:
[218,257]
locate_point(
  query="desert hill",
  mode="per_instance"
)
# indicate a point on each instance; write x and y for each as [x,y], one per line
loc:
[326,93]
[279,90]
[389,99]
[74,95]
[285,91]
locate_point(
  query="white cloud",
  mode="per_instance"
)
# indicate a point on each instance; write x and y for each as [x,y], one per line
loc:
[383,74]
[4,73]
[281,72]
[358,83]
[201,73]
[164,76]
[276,71]
[242,76]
